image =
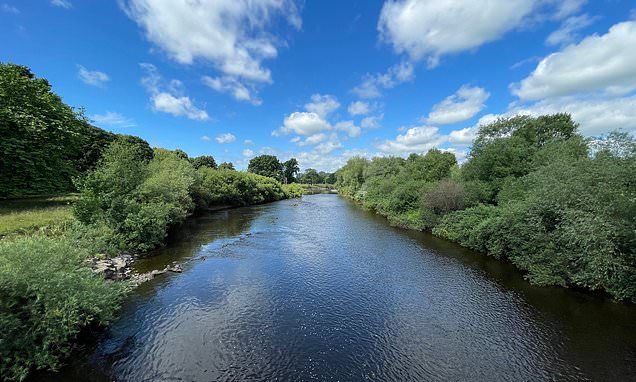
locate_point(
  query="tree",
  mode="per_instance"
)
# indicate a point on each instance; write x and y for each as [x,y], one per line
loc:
[310,176]
[204,161]
[226,166]
[181,154]
[45,143]
[290,170]
[266,165]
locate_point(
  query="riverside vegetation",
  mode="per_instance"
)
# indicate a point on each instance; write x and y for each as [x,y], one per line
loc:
[533,191]
[127,196]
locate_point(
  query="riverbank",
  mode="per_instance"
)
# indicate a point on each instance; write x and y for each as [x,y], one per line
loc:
[560,208]
[302,289]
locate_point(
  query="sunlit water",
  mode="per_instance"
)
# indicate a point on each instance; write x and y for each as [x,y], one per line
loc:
[318,289]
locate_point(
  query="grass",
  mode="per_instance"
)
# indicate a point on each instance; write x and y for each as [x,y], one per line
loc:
[25,216]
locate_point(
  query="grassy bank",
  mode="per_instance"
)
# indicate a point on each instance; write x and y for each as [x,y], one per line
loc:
[561,208]
[26,216]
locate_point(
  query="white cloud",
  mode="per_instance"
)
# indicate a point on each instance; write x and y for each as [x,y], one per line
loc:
[168,98]
[228,84]
[302,123]
[349,127]
[371,122]
[372,84]
[323,105]
[312,139]
[8,8]
[248,142]
[62,4]
[295,139]
[417,139]
[248,153]
[327,147]
[463,136]
[431,28]
[92,77]
[596,115]
[111,118]
[568,31]
[205,138]
[598,63]
[461,106]
[230,34]
[358,108]
[225,138]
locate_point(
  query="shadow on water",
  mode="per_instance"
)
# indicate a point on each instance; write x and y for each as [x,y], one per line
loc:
[319,289]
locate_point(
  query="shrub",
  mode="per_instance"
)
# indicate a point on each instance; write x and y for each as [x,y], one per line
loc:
[136,199]
[46,298]
[293,190]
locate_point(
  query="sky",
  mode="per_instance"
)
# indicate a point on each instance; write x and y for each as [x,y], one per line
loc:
[323,81]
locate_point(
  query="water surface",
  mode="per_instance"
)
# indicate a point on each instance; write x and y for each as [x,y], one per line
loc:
[317,289]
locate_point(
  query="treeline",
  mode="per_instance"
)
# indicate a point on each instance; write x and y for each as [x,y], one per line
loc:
[288,171]
[560,207]
[130,196]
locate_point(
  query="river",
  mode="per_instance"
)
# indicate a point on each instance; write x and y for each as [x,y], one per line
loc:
[316,289]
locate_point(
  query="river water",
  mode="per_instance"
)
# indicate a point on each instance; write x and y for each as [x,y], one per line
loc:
[316,289]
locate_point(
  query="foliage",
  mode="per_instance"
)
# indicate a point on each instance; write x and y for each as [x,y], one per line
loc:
[293,190]
[310,176]
[137,199]
[290,170]
[45,143]
[559,207]
[226,166]
[266,165]
[229,187]
[204,161]
[46,298]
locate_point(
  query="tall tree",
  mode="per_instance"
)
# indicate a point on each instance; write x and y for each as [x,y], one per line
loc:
[266,165]
[290,170]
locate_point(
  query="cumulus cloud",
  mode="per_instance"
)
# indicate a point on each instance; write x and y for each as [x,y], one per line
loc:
[430,28]
[231,35]
[167,98]
[569,30]
[371,122]
[349,127]
[111,118]
[327,147]
[372,84]
[596,115]
[225,138]
[228,84]
[323,105]
[312,139]
[302,123]
[358,108]
[463,136]
[205,138]
[248,153]
[416,139]
[92,77]
[248,142]
[598,63]
[461,106]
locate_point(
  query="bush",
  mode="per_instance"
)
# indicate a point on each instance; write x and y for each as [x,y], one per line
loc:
[46,298]
[293,190]
[136,200]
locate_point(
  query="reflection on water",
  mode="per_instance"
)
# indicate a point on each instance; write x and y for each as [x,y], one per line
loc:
[317,289]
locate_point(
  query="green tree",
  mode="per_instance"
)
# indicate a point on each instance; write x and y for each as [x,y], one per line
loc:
[45,143]
[266,165]
[226,166]
[204,161]
[290,170]
[310,176]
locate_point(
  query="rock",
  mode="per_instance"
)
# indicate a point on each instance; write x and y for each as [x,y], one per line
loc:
[116,268]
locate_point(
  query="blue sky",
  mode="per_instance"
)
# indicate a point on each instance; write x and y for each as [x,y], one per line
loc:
[326,80]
